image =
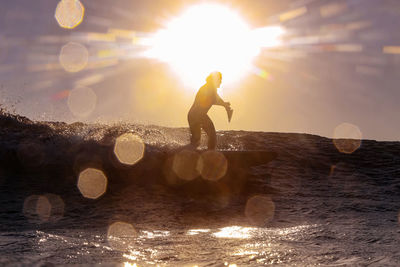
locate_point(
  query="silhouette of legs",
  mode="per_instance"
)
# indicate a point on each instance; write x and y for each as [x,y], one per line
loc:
[198,121]
[195,130]
[209,128]
[194,120]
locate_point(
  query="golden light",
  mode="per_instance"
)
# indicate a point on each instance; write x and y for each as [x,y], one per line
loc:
[209,37]
[292,14]
[260,209]
[129,148]
[120,235]
[69,13]
[212,165]
[391,50]
[92,183]
[73,57]
[347,138]
[185,164]
[82,101]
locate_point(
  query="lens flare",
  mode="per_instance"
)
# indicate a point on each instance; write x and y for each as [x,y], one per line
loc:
[92,183]
[121,235]
[260,209]
[129,149]
[185,164]
[212,165]
[223,197]
[43,208]
[82,101]
[391,50]
[73,57]
[331,10]
[36,209]
[292,14]
[347,138]
[57,207]
[69,13]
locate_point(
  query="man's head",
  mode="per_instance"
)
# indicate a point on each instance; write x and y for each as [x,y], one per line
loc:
[215,79]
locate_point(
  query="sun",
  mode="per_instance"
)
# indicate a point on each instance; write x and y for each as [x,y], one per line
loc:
[210,37]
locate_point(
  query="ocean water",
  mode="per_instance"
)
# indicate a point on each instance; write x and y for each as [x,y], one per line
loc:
[70,195]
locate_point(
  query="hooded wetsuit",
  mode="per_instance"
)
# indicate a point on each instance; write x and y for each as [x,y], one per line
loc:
[198,118]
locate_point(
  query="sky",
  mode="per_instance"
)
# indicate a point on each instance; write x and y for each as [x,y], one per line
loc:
[337,65]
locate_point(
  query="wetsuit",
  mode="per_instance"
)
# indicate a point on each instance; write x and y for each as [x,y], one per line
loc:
[198,118]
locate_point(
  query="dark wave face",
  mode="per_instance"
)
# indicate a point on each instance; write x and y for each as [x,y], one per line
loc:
[136,194]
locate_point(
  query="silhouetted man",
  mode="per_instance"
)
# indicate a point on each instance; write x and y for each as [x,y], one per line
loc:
[197,116]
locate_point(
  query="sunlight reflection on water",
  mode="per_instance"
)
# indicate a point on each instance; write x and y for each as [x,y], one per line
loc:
[226,246]
[237,243]
[154,234]
[197,231]
[235,232]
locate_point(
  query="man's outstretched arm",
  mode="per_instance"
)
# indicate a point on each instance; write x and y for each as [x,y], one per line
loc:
[220,102]
[227,106]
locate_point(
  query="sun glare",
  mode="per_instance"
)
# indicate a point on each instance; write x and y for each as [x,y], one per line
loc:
[210,37]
